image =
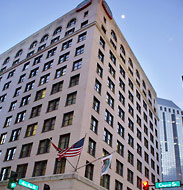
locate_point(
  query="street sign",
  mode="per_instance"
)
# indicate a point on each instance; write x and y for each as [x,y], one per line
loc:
[167,184]
[27,184]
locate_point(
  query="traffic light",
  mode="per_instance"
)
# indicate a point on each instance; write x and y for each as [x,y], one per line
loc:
[145,185]
[12,180]
[46,187]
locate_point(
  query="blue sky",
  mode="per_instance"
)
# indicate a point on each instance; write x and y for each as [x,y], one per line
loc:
[153,29]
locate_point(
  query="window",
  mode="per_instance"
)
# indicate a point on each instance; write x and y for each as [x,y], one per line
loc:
[53,105]
[129,175]
[118,185]
[139,149]
[31,130]
[26,150]
[130,83]
[120,148]
[44,146]
[55,40]
[153,178]
[121,113]
[6,85]
[152,138]
[112,71]
[6,61]
[19,53]
[29,86]
[107,137]
[111,85]
[152,164]
[130,141]
[67,119]
[30,54]
[147,172]
[10,153]
[71,99]
[60,166]
[138,107]
[113,44]
[77,64]
[2,98]
[82,37]
[139,134]
[44,38]
[109,118]
[51,52]
[44,79]
[37,60]
[7,121]
[64,57]
[122,84]
[139,166]
[25,100]
[130,124]
[48,65]
[139,183]
[57,87]
[35,111]
[79,50]
[130,96]
[5,172]
[39,168]
[112,57]
[98,86]
[99,70]
[110,100]
[152,150]
[146,144]
[64,141]
[22,78]
[71,23]
[94,124]
[105,181]
[119,168]
[74,80]
[145,130]
[33,72]
[49,124]
[60,72]
[57,30]
[102,42]
[21,170]
[17,92]
[34,44]
[66,44]
[12,106]
[15,135]
[101,56]
[96,104]
[91,147]
[113,35]
[130,158]
[146,157]
[130,110]
[122,71]
[121,130]
[89,170]
[40,94]
[145,116]
[20,117]
[85,13]
[10,74]
[69,32]
[40,48]
[85,23]
[3,138]
[103,29]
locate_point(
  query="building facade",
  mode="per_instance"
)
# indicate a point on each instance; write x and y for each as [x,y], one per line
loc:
[78,76]
[171,131]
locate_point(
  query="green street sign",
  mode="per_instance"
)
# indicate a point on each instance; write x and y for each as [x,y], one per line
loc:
[167,184]
[27,184]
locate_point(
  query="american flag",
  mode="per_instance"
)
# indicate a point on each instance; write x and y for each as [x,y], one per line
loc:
[74,150]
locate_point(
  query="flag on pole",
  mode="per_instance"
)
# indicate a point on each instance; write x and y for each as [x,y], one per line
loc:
[106,162]
[74,150]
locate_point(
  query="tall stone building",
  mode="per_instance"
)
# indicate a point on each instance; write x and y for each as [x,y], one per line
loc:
[171,132]
[78,76]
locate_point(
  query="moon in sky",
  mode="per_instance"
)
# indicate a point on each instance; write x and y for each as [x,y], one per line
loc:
[123,16]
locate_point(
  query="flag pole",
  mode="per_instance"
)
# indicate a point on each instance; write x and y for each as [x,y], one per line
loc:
[70,163]
[95,160]
[79,156]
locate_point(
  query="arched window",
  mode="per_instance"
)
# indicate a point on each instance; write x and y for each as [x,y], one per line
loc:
[34,44]
[137,73]
[71,22]
[113,35]
[130,62]
[44,38]
[144,84]
[19,53]
[122,49]
[6,60]
[57,30]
